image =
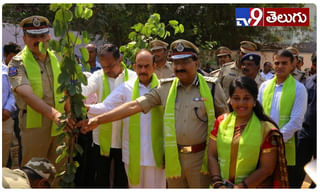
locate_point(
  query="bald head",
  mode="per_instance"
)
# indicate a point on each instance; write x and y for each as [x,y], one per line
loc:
[90,45]
[144,53]
[144,66]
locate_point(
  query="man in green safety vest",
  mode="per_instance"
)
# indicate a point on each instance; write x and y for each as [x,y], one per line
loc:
[34,79]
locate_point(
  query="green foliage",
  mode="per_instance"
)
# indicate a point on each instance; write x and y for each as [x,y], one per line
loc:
[70,80]
[213,22]
[142,34]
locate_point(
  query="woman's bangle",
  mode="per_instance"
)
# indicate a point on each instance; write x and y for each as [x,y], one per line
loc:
[217,184]
[215,178]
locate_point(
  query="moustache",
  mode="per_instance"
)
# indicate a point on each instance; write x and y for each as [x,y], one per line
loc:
[140,74]
[181,71]
[245,70]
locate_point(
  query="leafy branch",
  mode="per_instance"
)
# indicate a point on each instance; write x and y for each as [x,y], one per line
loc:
[142,34]
[70,81]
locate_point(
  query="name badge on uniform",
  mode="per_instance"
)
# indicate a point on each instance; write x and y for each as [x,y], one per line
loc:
[12,71]
[197,99]
[232,74]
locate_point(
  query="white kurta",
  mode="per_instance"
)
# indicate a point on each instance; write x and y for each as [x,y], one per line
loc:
[95,85]
[117,97]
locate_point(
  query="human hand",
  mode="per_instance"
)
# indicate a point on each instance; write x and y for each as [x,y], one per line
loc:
[87,125]
[56,118]
[70,124]
[5,114]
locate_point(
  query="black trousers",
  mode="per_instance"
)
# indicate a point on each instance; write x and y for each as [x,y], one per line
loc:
[306,149]
[84,174]
[102,165]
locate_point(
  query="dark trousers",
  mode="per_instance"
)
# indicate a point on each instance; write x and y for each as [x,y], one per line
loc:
[84,174]
[306,149]
[102,166]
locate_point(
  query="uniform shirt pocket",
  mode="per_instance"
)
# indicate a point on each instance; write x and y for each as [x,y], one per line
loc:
[199,111]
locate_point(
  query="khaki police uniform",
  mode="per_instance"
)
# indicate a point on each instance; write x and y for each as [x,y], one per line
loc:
[158,44]
[299,75]
[216,73]
[259,80]
[293,50]
[191,124]
[230,71]
[221,51]
[35,142]
[14,179]
[165,71]
[190,117]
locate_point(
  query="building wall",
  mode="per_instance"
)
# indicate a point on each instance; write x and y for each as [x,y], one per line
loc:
[14,33]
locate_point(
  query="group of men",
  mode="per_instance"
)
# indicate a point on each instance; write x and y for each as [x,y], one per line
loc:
[148,127]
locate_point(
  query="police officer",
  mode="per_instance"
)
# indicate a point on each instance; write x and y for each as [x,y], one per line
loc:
[160,52]
[223,55]
[250,65]
[300,62]
[34,79]
[191,102]
[35,174]
[297,74]
[230,71]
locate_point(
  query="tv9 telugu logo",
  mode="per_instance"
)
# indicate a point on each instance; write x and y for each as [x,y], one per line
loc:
[246,17]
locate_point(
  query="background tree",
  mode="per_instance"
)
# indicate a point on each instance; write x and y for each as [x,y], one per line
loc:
[142,34]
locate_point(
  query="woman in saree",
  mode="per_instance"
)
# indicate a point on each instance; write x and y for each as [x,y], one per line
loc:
[246,149]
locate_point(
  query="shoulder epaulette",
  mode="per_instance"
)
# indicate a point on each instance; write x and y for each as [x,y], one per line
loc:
[228,64]
[210,79]
[17,57]
[166,80]
[215,71]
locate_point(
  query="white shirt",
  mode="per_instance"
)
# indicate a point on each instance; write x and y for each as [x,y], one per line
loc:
[267,76]
[122,95]
[298,110]
[95,85]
